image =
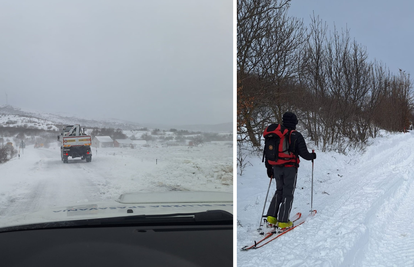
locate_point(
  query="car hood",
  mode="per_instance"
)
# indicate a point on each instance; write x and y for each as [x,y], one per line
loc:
[130,204]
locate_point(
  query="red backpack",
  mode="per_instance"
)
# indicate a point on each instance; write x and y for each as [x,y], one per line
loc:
[277,146]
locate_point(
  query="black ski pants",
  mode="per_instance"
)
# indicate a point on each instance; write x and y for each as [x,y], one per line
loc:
[282,200]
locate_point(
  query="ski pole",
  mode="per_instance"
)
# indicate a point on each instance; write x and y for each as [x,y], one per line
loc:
[261,216]
[313,151]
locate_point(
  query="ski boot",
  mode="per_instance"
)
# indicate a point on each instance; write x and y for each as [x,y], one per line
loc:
[271,222]
[284,225]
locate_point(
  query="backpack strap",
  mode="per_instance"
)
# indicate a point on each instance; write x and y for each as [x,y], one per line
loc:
[293,149]
[263,154]
[289,138]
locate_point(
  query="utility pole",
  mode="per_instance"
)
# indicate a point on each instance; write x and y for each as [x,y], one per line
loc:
[22,146]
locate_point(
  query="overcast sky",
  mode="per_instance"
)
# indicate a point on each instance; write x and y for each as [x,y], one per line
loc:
[384,28]
[158,61]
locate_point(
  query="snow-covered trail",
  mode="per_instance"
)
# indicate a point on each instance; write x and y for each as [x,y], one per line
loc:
[364,205]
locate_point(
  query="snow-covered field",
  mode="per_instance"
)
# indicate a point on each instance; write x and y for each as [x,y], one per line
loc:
[39,180]
[364,201]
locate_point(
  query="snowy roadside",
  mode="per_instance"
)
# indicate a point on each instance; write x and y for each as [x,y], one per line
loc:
[157,168]
[357,197]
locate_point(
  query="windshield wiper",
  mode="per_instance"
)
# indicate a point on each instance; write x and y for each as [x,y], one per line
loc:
[211,217]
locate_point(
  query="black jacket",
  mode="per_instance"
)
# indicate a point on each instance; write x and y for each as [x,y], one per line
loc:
[298,147]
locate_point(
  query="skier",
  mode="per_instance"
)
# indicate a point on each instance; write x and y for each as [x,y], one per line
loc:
[285,172]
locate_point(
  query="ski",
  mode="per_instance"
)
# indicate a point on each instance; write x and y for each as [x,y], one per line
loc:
[277,234]
[271,233]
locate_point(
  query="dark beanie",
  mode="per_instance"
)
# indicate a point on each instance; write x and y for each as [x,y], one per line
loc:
[290,120]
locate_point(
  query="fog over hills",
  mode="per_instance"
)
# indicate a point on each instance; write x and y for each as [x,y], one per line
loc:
[59,120]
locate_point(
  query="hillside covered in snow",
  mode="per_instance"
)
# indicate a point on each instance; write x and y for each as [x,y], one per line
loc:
[17,125]
[18,117]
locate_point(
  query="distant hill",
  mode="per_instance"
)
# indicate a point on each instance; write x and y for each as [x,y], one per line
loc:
[216,128]
[10,116]
[59,120]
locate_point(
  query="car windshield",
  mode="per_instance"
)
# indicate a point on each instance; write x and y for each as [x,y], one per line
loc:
[103,101]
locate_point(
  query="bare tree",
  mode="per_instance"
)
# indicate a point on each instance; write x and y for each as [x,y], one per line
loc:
[268,42]
[281,61]
[254,18]
[312,76]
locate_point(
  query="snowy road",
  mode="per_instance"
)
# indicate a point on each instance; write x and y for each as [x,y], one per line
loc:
[364,205]
[39,180]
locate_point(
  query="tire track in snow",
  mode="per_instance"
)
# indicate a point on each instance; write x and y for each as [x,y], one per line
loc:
[49,183]
[389,186]
[24,203]
[392,235]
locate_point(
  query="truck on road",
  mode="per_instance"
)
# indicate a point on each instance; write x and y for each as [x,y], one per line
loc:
[75,143]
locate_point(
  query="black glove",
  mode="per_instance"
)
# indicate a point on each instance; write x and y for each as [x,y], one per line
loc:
[314,155]
[270,172]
